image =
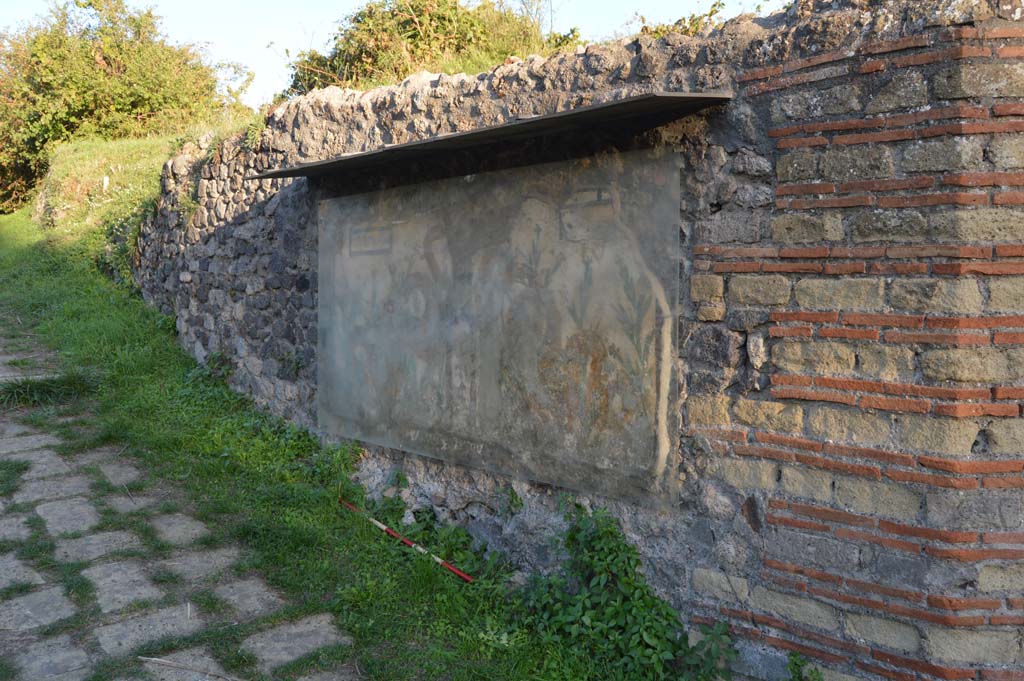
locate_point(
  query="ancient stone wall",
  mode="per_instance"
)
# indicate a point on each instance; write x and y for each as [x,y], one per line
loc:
[851,335]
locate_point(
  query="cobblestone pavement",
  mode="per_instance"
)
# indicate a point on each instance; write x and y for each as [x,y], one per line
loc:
[106,575]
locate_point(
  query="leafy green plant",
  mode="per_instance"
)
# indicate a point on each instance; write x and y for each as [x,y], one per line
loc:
[601,604]
[800,669]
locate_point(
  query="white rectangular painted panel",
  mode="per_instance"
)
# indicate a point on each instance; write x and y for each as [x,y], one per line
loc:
[521,321]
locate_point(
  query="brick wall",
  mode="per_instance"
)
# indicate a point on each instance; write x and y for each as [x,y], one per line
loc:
[888,442]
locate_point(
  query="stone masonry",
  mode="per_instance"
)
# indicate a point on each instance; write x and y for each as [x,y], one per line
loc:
[851,332]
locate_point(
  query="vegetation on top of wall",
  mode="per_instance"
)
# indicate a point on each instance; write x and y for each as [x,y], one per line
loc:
[94,68]
[386,40]
[694,24]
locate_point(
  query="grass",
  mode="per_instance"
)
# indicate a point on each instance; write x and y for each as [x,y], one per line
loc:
[15,590]
[34,392]
[258,480]
[10,476]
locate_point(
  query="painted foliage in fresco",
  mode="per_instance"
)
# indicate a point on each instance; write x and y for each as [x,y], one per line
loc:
[520,321]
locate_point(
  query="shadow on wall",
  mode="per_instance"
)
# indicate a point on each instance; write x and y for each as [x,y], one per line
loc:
[235,262]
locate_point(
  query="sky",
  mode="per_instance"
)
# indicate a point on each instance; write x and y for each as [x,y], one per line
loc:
[259,34]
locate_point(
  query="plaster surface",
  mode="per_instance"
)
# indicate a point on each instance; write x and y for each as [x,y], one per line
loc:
[520,320]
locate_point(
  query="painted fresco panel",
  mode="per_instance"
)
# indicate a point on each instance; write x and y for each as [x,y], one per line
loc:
[521,321]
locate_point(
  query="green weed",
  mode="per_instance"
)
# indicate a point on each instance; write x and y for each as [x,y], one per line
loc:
[10,476]
[33,392]
[209,602]
[601,606]
[800,669]
[15,590]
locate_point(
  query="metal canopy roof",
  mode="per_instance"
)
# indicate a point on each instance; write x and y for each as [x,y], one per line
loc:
[630,110]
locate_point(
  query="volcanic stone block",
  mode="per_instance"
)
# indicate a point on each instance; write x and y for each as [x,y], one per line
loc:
[118,585]
[36,609]
[178,529]
[68,515]
[93,546]
[54,658]
[121,638]
[250,597]
[287,642]
[13,571]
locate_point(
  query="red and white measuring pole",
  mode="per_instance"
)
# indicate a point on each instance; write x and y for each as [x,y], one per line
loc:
[408,542]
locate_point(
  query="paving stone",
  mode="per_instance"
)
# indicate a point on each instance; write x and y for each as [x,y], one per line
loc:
[201,666]
[14,527]
[347,673]
[122,637]
[93,546]
[51,488]
[118,585]
[13,571]
[12,429]
[68,515]
[178,529]
[194,566]
[36,609]
[287,642]
[95,457]
[44,463]
[53,658]
[250,597]
[122,503]
[120,473]
[25,442]
[77,675]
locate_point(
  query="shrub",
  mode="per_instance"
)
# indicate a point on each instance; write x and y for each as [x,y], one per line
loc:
[387,40]
[92,68]
[694,24]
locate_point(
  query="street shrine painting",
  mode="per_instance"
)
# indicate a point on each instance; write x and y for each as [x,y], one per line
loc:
[522,321]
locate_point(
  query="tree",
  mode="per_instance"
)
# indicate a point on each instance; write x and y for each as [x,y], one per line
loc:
[91,68]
